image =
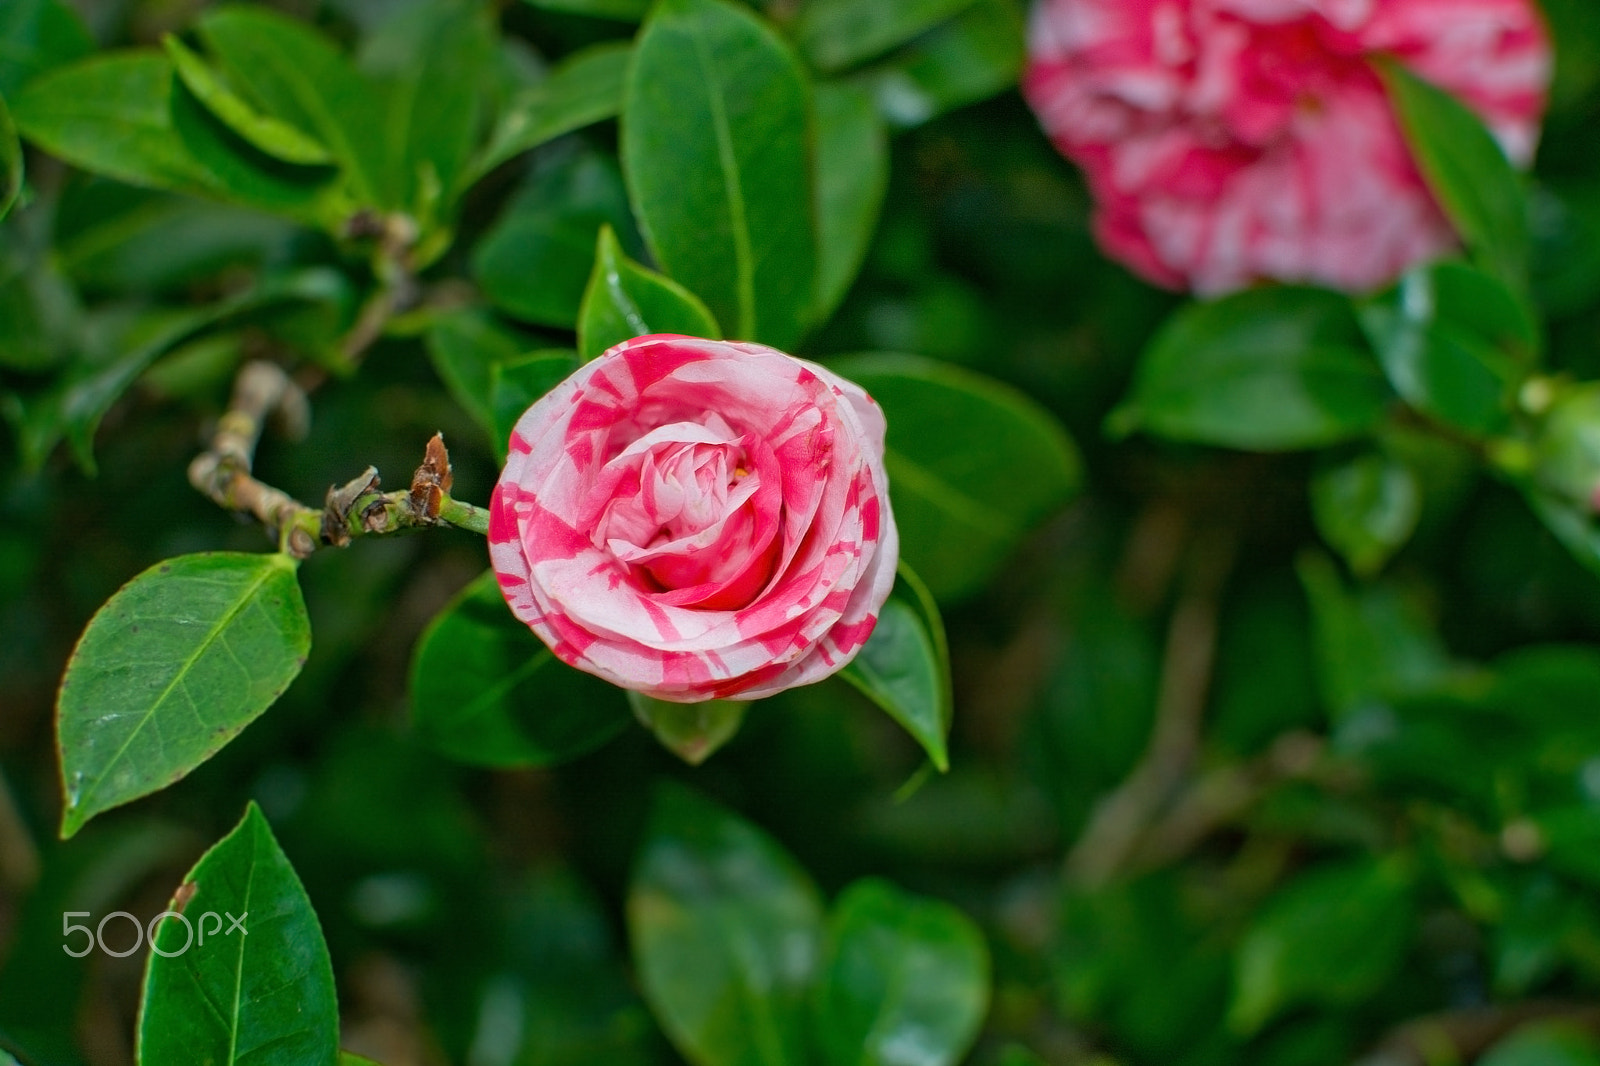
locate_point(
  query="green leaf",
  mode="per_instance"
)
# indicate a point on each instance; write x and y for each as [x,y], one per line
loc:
[112,114]
[904,667]
[852,178]
[485,690]
[243,175]
[1455,343]
[1366,508]
[719,180]
[1266,369]
[621,10]
[261,993]
[1544,1044]
[431,63]
[464,347]
[906,979]
[348,1059]
[290,72]
[972,57]
[973,465]
[515,385]
[1570,836]
[535,263]
[583,89]
[36,35]
[278,139]
[726,931]
[139,241]
[835,34]
[1333,936]
[624,300]
[1372,644]
[118,114]
[691,731]
[1572,524]
[10,161]
[173,667]
[76,404]
[1467,171]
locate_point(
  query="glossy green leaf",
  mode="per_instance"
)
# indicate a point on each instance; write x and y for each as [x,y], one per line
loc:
[75,405]
[535,263]
[903,972]
[1266,369]
[36,35]
[835,34]
[485,690]
[973,465]
[583,89]
[904,667]
[10,161]
[278,139]
[719,180]
[463,347]
[514,386]
[242,175]
[290,72]
[972,57]
[261,993]
[852,178]
[691,731]
[1467,171]
[726,932]
[1455,344]
[431,63]
[172,668]
[621,10]
[119,114]
[1366,508]
[625,300]
[348,1059]
[1551,1043]
[142,241]
[1334,935]
[111,114]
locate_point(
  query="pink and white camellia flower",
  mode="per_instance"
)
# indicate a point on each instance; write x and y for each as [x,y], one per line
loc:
[1230,141]
[697,519]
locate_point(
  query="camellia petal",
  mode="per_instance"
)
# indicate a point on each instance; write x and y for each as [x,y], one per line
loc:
[697,519]
[1231,141]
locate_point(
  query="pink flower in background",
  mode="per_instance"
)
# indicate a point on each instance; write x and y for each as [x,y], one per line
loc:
[1228,141]
[697,519]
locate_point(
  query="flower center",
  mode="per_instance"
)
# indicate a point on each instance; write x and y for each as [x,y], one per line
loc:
[685,515]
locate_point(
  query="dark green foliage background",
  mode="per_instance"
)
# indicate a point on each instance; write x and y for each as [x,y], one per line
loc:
[1283,757]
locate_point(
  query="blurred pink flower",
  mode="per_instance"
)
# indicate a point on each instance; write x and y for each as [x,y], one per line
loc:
[697,519]
[1229,141]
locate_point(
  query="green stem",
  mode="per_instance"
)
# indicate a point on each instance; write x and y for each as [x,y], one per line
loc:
[356,509]
[464,516]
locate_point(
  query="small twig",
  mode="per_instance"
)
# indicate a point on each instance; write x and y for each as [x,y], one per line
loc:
[1219,797]
[1120,819]
[357,508]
